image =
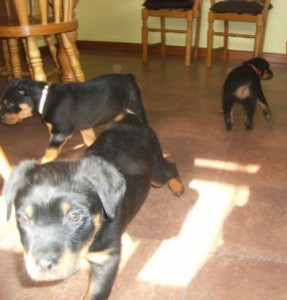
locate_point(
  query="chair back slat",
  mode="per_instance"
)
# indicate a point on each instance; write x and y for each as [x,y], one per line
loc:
[43,6]
[22,12]
[57,10]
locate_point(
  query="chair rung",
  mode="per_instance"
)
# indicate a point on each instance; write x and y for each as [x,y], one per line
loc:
[166,30]
[250,36]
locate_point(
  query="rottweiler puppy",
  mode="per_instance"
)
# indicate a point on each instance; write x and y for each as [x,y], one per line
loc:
[69,107]
[243,86]
[70,209]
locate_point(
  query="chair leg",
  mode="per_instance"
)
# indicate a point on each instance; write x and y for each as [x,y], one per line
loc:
[73,58]
[257,42]
[188,49]
[162,36]
[24,42]
[144,36]
[263,37]
[6,56]
[66,71]
[15,58]
[225,47]
[209,42]
[35,60]
[53,51]
[197,35]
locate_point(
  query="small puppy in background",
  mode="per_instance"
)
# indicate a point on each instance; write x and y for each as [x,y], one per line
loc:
[73,106]
[243,86]
[72,209]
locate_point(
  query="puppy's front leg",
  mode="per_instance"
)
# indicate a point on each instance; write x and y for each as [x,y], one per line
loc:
[56,143]
[265,109]
[263,104]
[104,267]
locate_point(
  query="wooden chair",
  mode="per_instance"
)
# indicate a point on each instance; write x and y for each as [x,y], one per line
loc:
[251,11]
[25,21]
[189,14]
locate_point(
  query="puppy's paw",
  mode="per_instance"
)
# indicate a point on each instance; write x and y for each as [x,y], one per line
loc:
[248,124]
[230,127]
[176,187]
[228,123]
[269,117]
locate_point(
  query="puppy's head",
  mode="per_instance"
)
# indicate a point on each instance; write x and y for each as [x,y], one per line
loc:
[261,66]
[17,100]
[60,207]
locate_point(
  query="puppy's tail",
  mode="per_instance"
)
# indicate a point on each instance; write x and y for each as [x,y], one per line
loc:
[135,99]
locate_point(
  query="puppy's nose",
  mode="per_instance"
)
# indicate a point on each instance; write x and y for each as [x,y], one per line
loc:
[46,264]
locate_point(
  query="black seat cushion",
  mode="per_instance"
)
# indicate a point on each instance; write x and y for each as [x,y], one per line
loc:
[172,4]
[240,7]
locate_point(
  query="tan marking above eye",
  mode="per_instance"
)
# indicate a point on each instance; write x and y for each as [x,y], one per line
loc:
[26,111]
[29,210]
[49,126]
[65,207]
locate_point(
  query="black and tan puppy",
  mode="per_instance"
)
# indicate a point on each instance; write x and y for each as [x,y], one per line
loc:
[69,107]
[243,86]
[71,209]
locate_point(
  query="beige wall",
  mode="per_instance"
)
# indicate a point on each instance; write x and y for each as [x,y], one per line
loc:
[120,21]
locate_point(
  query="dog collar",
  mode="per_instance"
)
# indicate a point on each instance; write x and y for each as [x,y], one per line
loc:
[258,72]
[43,99]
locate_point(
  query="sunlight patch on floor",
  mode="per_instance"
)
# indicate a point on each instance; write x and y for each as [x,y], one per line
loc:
[226,166]
[177,260]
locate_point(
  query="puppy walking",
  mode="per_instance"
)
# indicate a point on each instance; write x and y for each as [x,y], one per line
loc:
[70,209]
[243,86]
[69,107]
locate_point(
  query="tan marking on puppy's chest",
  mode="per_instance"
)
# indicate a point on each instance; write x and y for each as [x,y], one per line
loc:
[242,92]
[99,257]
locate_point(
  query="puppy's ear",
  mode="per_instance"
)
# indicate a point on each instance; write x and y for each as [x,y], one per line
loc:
[105,180]
[15,181]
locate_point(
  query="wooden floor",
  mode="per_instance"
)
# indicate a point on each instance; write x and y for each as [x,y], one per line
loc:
[226,237]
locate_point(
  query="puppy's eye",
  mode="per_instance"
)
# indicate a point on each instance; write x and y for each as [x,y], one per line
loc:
[10,105]
[24,221]
[21,92]
[74,217]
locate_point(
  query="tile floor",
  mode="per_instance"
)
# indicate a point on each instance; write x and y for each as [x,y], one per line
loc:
[226,237]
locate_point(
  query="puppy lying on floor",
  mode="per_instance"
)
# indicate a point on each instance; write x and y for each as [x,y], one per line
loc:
[243,86]
[66,210]
[69,107]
